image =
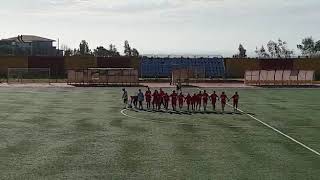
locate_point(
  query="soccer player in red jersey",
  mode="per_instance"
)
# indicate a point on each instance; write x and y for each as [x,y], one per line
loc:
[180,100]
[205,97]
[155,99]
[161,96]
[214,98]
[166,99]
[188,100]
[235,98]
[174,96]
[199,98]
[223,98]
[148,96]
[194,101]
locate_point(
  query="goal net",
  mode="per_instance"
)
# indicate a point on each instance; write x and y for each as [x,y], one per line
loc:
[28,75]
[186,75]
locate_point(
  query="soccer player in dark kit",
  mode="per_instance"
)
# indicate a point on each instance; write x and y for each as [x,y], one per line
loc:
[155,100]
[214,98]
[188,101]
[180,100]
[174,96]
[166,99]
[235,98]
[223,98]
[148,96]
[205,97]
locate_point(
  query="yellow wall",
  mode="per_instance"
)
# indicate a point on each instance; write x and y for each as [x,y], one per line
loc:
[79,62]
[308,64]
[235,68]
[12,62]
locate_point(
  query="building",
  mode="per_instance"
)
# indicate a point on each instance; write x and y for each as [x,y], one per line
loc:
[29,45]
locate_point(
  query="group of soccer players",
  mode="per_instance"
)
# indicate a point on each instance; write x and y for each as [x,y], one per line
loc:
[194,102]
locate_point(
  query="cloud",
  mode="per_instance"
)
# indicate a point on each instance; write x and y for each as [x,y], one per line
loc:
[119,6]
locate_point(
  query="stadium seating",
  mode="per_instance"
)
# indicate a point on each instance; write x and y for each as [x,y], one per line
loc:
[154,67]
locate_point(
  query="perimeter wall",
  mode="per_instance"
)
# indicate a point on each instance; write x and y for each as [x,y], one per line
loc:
[59,65]
[235,68]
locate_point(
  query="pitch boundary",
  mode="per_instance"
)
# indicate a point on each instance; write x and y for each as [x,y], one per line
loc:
[279,132]
[170,122]
[276,130]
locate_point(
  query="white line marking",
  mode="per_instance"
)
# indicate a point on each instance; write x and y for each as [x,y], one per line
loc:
[159,121]
[175,123]
[278,131]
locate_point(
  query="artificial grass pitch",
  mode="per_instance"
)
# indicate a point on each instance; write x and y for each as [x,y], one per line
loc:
[80,133]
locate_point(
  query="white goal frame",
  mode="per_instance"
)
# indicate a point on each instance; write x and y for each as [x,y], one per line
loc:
[28,75]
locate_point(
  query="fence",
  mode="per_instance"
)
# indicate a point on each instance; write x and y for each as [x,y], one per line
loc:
[279,77]
[103,77]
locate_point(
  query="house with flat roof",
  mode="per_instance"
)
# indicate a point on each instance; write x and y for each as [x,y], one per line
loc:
[29,45]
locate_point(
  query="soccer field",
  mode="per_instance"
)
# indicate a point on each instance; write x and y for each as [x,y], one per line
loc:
[81,133]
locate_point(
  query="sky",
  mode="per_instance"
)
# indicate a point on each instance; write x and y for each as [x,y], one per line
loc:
[213,27]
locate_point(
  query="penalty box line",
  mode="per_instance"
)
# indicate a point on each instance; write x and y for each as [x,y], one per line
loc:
[276,130]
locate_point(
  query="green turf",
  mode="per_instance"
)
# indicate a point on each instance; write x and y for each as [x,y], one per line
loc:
[81,134]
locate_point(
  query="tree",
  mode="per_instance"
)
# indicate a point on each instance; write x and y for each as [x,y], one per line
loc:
[242,52]
[135,52]
[100,51]
[309,47]
[68,52]
[284,52]
[127,48]
[84,48]
[262,53]
[317,46]
[273,49]
[76,52]
[113,50]
[279,49]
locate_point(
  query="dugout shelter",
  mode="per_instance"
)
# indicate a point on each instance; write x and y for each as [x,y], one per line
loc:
[279,77]
[103,77]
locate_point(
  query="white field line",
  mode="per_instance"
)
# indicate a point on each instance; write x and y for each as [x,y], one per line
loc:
[175,123]
[278,131]
[123,113]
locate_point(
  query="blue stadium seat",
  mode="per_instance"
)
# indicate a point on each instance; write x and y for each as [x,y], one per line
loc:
[162,67]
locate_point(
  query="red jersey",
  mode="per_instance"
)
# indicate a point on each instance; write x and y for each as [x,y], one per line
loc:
[166,98]
[148,96]
[205,97]
[223,98]
[188,99]
[174,97]
[180,98]
[155,97]
[194,99]
[161,94]
[199,97]
[213,98]
[235,98]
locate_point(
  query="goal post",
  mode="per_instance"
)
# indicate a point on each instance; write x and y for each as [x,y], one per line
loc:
[28,75]
[186,75]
